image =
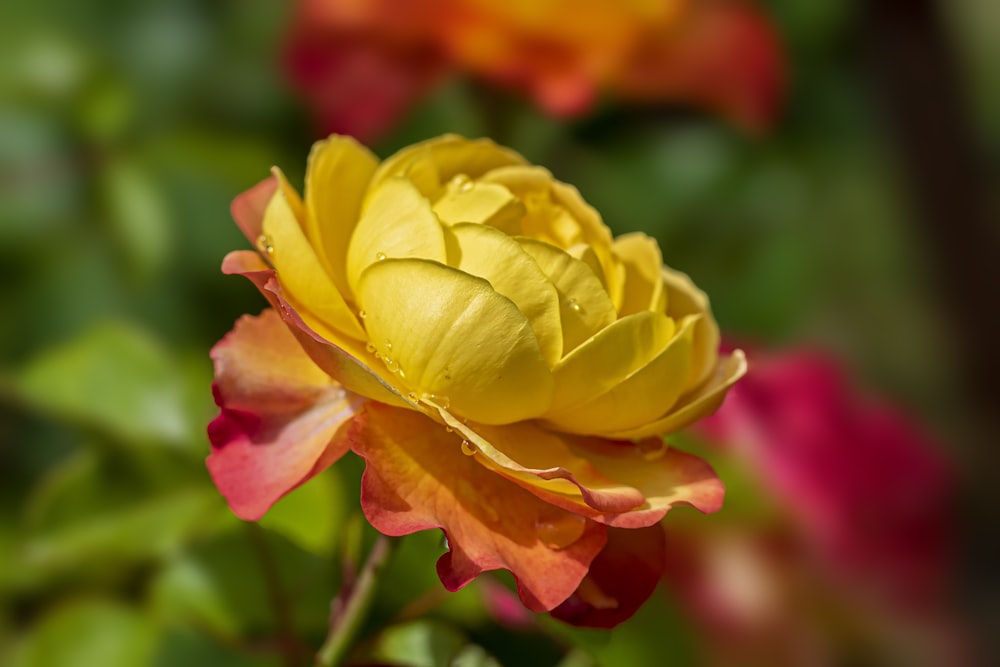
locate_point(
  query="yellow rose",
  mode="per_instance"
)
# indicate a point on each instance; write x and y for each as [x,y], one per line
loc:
[454,300]
[464,278]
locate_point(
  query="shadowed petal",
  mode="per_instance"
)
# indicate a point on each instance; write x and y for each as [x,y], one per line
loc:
[281,415]
[418,478]
[621,578]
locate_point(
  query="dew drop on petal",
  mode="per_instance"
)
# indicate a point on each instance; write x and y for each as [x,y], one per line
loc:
[264,244]
[379,256]
[388,345]
[468,448]
[448,429]
[560,531]
[370,346]
[412,397]
[574,306]
[652,449]
[362,314]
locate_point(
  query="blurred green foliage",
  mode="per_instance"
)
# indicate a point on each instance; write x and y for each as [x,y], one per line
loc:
[125,130]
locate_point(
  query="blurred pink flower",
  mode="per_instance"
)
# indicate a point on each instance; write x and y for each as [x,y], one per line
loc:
[362,63]
[855,546]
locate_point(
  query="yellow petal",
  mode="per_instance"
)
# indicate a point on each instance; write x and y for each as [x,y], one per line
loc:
[337,176]
[684,298]
[454,337]
[701,403]
[584,306]
[643,263]
[491,254]
[300,272]
[609,357]
[485,203]
[432,163]
[642,397]
[397,223]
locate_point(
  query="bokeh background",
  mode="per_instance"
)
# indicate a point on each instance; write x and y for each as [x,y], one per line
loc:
[860,225]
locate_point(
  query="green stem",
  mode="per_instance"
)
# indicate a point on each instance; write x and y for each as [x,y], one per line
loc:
[351,605]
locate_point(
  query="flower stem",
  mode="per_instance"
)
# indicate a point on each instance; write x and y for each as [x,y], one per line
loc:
[349,608]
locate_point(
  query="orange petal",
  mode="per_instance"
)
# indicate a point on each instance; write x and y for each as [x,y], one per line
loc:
[622,484]
[417,478]
[281,415]
[621,579]
[248,207]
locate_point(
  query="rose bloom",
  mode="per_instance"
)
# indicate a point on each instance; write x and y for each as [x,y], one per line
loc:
[467,325]
[361,63]
[851,551]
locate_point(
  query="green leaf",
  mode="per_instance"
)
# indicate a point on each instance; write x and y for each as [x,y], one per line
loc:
[86,633]
[114,378]
[312,516]
[419,644]
[138,213]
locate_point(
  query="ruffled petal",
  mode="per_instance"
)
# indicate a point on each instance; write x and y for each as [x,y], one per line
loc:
[683,299]
[417,478]
[618,483]
[281,420]
[451,336]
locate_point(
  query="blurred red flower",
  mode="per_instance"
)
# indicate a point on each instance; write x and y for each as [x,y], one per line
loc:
[362,63]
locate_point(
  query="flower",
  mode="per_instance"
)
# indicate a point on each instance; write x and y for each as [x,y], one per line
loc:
[362,63]
[853,514]
[467,325]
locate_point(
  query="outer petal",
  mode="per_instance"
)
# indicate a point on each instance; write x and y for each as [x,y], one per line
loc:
[621,579]
[302,273]
[618,483]
[248,207]
[281,415]
[684,298]
[344,360]
[700,403]
[417,478]
[453,337]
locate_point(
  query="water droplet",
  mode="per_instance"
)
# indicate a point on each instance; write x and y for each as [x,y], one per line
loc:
[379,256]
[444,541]
[468,448]
[448,429]
[412,397]
[462,183]
[574,306]
[362,314]
[390,363]
[442,402]
[388,345]
[651,448]
[264,244]
[560,531]
[370,346]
